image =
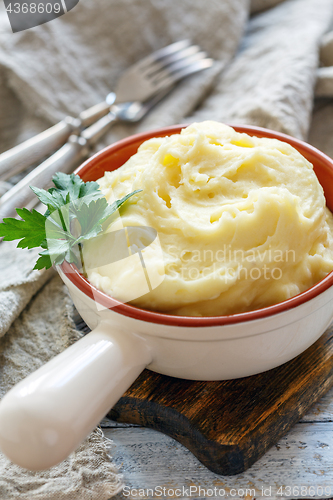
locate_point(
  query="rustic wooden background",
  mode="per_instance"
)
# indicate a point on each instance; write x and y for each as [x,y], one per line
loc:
[303,457]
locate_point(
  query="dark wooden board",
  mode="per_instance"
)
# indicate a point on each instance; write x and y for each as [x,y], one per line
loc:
[228,425]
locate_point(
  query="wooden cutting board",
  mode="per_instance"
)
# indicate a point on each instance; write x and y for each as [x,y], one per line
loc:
[229,425]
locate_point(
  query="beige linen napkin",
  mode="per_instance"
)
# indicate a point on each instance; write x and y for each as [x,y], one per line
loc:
[266,72]
[43,330]
[321,132]
[324,87]
[271,80]
[74,61]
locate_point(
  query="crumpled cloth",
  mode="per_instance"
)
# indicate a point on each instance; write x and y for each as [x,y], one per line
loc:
[321,131]
[266,74]
[40,332]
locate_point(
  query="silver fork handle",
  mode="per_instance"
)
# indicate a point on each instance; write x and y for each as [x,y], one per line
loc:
[24,155]
[96,131]
[94,113]
[64,160]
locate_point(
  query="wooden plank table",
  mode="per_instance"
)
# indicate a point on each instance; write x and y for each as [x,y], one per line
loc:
[302,458]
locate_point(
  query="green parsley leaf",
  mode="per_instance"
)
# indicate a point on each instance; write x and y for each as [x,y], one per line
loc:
[75,188]
[68,189]
[89,218]
[76,211]
[111,209]
[30,230]
[43,261]
[53,202]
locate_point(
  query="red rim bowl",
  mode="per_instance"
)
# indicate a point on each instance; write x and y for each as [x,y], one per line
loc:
[118,153]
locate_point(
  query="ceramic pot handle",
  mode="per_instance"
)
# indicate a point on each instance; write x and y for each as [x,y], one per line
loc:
[46,416]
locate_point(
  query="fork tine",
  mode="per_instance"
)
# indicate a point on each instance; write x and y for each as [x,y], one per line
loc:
[173,78]
[170,59]
[193,68]
[138,83]
[172,68]
[180,54]
[171,49]
[161,53]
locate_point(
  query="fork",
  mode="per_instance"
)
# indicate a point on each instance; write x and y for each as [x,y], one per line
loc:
[140,82]
[78,147]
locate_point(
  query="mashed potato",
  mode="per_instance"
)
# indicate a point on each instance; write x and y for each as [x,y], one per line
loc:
[242,222]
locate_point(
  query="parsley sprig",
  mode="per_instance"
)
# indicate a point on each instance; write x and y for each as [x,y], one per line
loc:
[76,211]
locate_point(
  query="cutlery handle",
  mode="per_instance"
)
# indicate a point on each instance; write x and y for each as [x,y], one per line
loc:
[24,155]
[89,116]
[94,133]
[46,416]
[64,160]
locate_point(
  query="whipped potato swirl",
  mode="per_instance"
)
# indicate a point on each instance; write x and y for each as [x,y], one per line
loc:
[242,222]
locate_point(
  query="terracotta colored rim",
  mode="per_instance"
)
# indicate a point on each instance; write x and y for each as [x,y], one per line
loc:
[80,282]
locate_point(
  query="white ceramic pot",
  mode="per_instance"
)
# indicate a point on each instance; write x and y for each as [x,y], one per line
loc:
[46,416]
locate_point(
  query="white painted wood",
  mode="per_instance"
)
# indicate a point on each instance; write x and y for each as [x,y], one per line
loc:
[106,422]
[322,411]
[304,457]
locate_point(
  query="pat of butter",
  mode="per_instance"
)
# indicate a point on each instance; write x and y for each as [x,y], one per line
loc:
[242,222]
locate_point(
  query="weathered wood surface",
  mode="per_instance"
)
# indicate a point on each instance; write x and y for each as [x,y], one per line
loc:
[228,425]
[303,457]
